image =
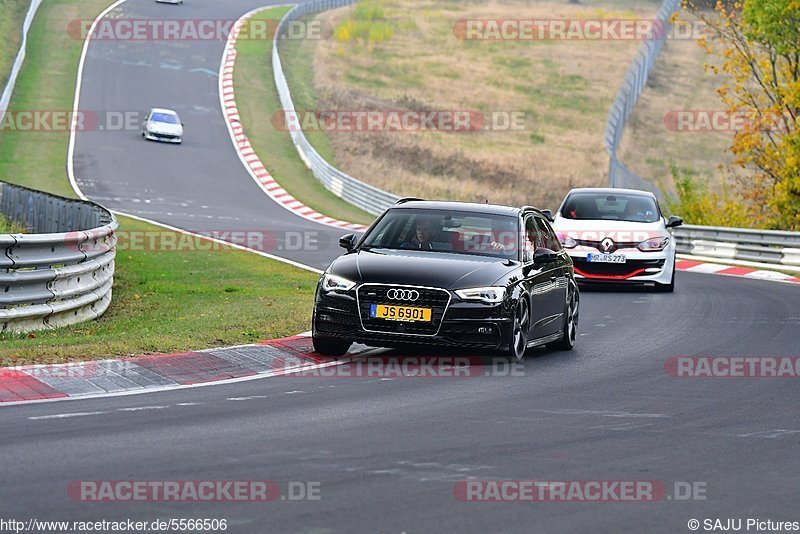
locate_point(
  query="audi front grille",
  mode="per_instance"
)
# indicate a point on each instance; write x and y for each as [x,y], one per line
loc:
[415,296]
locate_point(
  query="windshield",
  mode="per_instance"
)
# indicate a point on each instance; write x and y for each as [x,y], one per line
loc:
[164,117]
[614,207]
[481,234]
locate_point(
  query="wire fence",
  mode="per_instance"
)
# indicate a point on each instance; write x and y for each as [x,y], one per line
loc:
[619,175]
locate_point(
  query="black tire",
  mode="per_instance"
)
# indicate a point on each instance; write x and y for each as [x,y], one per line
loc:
[329,346]
[570,328]
[667,288]
[519,332]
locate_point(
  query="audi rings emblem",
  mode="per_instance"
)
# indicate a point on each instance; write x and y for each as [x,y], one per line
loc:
[409,295]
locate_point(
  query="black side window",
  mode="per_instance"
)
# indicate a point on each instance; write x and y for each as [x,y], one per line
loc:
[548,236]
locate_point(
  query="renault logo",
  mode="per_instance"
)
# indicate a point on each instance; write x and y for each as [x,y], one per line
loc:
[403,294]
[607,245]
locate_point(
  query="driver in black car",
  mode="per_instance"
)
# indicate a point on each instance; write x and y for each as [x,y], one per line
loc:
[426,233]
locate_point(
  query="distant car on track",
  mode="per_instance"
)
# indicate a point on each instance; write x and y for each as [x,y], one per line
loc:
[449,274]
[163,125]
[617,236]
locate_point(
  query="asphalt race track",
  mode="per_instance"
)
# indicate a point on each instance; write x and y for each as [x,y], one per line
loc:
[200,185]
[387,453]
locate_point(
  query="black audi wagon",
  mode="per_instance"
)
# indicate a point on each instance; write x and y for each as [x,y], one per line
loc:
[449,274]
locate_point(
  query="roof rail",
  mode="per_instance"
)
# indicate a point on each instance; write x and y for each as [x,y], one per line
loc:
[407,199]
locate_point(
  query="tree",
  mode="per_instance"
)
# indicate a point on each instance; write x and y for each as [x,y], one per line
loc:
[758,45]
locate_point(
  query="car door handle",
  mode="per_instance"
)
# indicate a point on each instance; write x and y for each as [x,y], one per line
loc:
[553,278]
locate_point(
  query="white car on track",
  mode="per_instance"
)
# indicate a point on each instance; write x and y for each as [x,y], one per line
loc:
[617,236]
[163,125]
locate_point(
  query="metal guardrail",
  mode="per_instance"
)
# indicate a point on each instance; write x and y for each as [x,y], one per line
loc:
[634,83]
[62,271]
[360,194]
[5,97]
[763,246]
[724,243]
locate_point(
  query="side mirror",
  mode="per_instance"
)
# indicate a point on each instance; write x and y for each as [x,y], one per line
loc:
[674,222]
[544,255]
[548,215]
[348,242]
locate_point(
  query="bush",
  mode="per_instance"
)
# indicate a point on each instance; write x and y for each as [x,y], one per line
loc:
[367,25]
[697,205]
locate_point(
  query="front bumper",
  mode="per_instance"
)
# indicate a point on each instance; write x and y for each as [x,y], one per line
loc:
[639,268]
[462,324]
[162,137]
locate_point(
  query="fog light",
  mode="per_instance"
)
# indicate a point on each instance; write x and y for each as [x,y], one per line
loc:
[325,317]
[485,329]
[653,270]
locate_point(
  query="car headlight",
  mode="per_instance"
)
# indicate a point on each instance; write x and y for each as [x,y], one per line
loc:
[653,245]
[331,282]
[490,295]
[567,241]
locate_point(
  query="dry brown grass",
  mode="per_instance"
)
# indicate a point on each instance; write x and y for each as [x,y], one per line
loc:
[678,82]
[564,89]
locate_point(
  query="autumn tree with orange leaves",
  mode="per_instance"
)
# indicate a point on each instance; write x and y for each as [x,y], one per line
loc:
[756,45]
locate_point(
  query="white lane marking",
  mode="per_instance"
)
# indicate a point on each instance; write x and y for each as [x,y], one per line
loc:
[71,153]
[140,408]
[270,374]
[64,415]
[76,100]
[228,62]
[251,397]
[603,413]
[293,392]
[221,242]
[768,275]
[707,268]
[768,434]
[189,403]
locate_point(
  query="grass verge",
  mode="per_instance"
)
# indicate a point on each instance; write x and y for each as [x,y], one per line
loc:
[413,60]
[9,227]
[172,301]
[257,100]
[163,301]
[10,34]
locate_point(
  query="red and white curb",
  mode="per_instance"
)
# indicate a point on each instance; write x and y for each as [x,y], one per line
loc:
[247,155]
[164,372]
[693,266]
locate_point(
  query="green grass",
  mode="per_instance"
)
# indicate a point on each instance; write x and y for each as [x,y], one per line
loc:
[163,301]
[173,301]
[13,14]
[257,100]
[46,82]
[8,227]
